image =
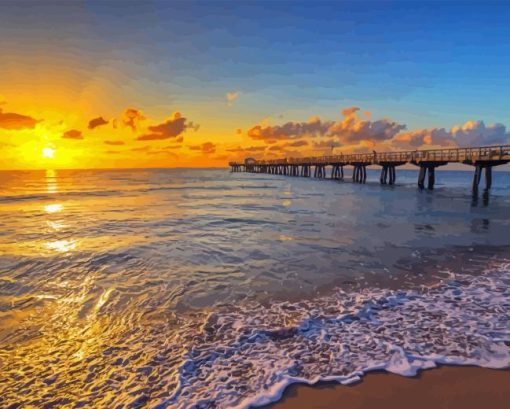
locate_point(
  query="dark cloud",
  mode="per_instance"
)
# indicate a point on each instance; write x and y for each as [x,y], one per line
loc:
[114,142]
[13,121]
[99,121]
[326,144]
[290,130]
[131,118]
[113,152]
[171,128]
[206,148]
[72,134]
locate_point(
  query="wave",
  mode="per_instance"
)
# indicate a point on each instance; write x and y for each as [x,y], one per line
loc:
[13,198]
[246,356]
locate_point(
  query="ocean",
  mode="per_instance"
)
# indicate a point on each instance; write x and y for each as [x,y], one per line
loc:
[201,288]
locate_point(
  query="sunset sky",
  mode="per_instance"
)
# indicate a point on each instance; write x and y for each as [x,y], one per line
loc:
[166,84]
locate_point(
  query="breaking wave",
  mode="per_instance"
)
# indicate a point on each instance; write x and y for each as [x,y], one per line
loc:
[246,356]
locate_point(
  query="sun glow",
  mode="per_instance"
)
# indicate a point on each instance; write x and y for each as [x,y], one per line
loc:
[48,153]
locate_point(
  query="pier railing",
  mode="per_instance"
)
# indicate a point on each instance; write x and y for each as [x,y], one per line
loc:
[482,157]
[462,155]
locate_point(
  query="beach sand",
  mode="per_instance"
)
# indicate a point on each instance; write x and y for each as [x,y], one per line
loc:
[448,387]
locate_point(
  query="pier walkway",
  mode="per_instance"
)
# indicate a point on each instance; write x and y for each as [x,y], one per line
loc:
[482,158]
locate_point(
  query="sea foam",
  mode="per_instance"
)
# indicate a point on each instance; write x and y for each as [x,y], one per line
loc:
[246,356]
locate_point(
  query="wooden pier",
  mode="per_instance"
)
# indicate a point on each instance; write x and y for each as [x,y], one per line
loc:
[483,159]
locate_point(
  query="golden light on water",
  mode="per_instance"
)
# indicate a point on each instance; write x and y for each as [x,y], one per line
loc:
[62,246]
[53,208]
[51,181]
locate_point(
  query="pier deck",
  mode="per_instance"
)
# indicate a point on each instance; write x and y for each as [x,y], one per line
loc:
[481,158]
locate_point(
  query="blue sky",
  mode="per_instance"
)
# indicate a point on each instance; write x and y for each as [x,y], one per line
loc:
[422,64]
[425,63]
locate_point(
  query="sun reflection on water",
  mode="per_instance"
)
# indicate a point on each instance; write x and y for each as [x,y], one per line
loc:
[53,208]
[51,181]
[63,246]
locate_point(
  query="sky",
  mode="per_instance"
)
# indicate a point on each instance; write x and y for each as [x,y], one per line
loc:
[171,84]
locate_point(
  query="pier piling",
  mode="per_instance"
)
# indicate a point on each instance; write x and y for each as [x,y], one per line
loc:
[427,160]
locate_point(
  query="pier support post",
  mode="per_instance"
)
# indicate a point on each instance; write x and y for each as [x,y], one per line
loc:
[384,175]
[478,175]
[359,174]
[421,177]
[488,178]
[337,172]
[393,174]
[432,177]
[431,169]
[476,178]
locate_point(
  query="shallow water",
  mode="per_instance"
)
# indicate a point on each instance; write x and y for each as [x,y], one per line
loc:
[206,288]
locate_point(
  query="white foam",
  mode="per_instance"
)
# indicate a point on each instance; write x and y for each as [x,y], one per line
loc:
[247,356]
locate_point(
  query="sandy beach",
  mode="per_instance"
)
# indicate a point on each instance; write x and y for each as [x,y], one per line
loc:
[448,387]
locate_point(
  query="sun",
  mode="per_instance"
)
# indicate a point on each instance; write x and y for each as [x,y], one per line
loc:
[48,153]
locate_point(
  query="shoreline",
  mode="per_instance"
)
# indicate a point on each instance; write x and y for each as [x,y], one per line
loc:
[446,386]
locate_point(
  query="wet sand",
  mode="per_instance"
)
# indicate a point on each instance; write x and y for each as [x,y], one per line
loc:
[449,387]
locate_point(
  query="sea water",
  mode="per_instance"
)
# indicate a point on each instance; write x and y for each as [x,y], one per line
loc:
[204,288]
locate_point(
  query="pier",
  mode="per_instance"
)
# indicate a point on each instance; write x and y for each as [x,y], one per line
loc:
[482,158]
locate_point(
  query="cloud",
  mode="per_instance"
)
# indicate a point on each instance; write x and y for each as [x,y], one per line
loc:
[131,118]
[72,134]
[353,129]
[476,133]
[326,144]
[141,149]
[171,128]
[350,130]
[349,111]
[114,142]
[205,148]
[296,144]
[231,97]
[471,133]
[248,149]
[99,121]
[13,121]
[290,130]
[113,152]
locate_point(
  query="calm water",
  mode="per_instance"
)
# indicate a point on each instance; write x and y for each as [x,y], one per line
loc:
[205,288]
